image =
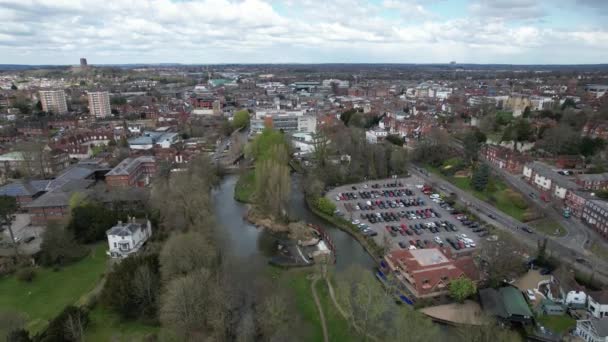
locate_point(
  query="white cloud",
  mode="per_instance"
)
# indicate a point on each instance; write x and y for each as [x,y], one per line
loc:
[221,31]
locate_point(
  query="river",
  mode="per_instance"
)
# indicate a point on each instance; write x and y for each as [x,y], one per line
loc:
[244,242]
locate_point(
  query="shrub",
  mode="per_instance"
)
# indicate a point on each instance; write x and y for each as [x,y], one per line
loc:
[325,205]
[26,274]
[517,199]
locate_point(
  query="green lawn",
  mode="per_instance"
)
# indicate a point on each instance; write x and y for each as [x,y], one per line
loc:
[558,324]
[337,326]
[599,250]
[108,326]
[549,227]
[296,280]
[501,199]
[51,291]
[245,187]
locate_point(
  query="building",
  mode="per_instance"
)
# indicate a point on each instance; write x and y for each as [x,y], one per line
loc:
[427,272]
[548,180]
[595,215]
[575,201]
[99,104]
[287,121]
[592,330]
[132,172]
[127,238]
[24,191]
[507,304]
[504,158]
[597,90]
[83,62]
[150,139]
[593,181]
[597,304]
[53,101]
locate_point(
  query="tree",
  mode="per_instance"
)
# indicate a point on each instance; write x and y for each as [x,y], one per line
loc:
[90,222]
[11,322]
[395,139]
[58,246]
[471,145]
[462,288]
[8,208]
[13,86]
[481,176]
[568,103]
[273,186]
[502,261]
[561,139]
[192,306]
[590,146]
[488,331]
[66,325]
[241,119]
[186,252]
[398,161]
[408,325]
[320,144]
[132,287]
[325,205]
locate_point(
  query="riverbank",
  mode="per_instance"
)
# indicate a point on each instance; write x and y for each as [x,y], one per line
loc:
[245,186]
[368,244]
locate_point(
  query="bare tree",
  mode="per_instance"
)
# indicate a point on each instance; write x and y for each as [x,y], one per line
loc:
[74,327]
[187,252]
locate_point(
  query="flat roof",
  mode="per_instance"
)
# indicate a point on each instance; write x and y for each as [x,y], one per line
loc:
[429,257]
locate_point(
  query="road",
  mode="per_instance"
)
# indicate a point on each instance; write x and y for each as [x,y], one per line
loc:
[237,140]
[578,235]
[555,246]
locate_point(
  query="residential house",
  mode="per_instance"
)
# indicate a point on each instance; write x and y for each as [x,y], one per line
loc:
[592,330]
[595,215]
[576,200]
[504,158]
[150,139]
[127,238]
[593,181]
[597,303]
[427,272]
[548,180]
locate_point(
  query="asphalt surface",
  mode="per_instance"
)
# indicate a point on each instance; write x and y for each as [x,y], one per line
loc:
[348,208]
[574,255]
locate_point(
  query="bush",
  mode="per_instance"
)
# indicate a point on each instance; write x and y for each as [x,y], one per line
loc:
[325,205]
[517,199]
[69,325]
[26,274]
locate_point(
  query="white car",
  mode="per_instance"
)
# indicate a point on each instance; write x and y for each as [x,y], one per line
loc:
[337,198]
[531,295]
[438,240]
[356,222]
[434,196]
[364,186]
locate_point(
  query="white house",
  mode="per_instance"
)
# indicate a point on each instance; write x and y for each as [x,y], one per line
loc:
[127,238]
[592,330]
[597,305]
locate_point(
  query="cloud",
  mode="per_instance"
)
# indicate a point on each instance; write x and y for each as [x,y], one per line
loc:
[508,9]
[257,31]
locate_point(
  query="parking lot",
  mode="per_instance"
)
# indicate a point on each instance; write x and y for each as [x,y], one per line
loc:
[406,213]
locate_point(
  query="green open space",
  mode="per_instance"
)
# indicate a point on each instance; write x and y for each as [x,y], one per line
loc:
[338,328]
[52,290]
[558,324]
[105,325]
[549,227]
[245,187]
[599,250]
[499,194]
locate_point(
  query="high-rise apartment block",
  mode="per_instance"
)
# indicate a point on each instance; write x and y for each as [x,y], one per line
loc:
[99,104]
[53,101]
[83,62]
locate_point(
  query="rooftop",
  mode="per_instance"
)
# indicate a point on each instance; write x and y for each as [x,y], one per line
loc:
[128,165]
[429,257]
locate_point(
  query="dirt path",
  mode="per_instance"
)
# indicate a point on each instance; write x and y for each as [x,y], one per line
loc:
[313,285]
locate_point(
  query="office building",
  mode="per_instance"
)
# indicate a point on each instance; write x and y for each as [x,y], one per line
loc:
[83,62]
[99,104]
[53,101]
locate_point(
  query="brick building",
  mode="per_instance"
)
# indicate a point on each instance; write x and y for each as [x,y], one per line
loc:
[593,181]
[132,172]
[504,158]
[576,200]
[595,215]
[427,272]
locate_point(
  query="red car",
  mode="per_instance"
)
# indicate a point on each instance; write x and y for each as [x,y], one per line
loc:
[388,229]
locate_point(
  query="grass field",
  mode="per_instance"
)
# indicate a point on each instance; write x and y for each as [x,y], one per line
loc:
[500,198]
[245,187]
[599,250]
[107,326]
[338,328]
[51,291]
[558,324]
[549,227]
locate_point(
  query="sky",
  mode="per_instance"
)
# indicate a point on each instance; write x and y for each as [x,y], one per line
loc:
[304,31]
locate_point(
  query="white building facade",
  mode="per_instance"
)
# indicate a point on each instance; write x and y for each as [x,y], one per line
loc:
[125,239]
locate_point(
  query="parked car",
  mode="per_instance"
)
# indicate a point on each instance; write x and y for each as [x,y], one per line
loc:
[530,294]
